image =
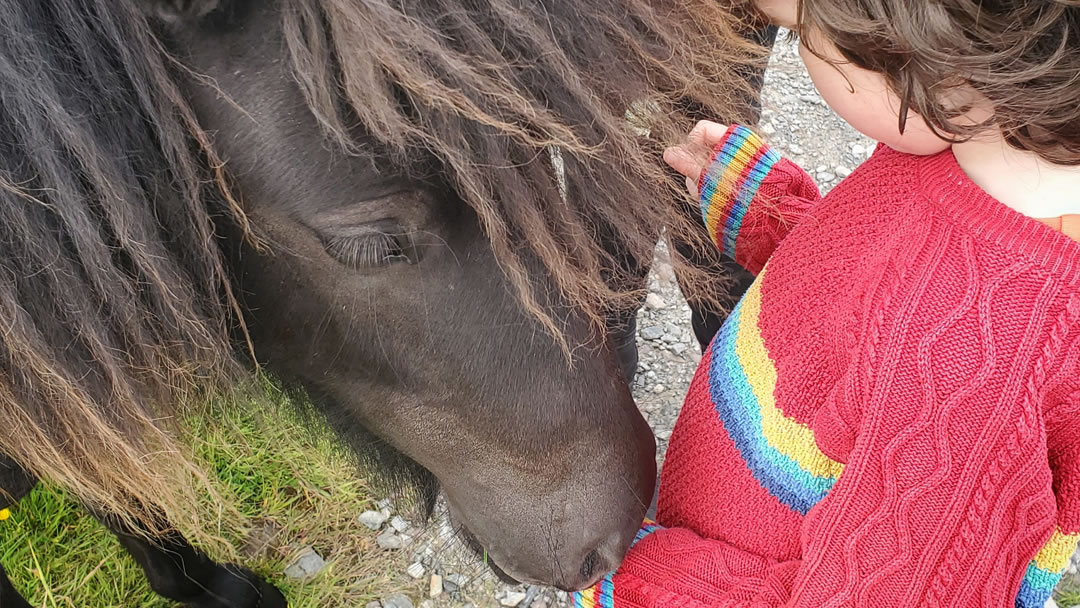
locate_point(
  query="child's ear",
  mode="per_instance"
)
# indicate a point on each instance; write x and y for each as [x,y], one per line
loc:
[176,11]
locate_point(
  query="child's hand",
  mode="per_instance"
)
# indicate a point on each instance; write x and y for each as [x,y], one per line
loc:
[692,157]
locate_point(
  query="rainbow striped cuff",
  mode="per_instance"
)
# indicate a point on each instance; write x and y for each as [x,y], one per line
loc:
[1045,571]
[602,594]
[731,181]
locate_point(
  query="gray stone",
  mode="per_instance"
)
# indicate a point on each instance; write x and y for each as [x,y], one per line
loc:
[512,599]
[415,570]
[398,600]
[654,302]
[375,604]
[372,519]
[826,176]
[389,540]
[399,524]
[306,565]
[652,333]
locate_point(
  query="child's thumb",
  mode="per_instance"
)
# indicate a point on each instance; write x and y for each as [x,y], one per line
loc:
[685,161]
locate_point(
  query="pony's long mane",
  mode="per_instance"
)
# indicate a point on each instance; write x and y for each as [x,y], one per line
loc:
[489,86]
[113,296]
[114,299]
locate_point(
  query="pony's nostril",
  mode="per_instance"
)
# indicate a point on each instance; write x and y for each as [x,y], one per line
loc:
[591,565]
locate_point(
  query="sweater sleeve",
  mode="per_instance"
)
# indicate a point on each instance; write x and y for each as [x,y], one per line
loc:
[751,197]
[918,518]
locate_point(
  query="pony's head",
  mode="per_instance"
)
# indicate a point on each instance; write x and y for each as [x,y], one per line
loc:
[370,186]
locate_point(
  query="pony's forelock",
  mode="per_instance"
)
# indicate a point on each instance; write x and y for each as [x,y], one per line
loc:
[490,88]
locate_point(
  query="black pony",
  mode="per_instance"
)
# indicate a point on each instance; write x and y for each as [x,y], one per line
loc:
[359,196]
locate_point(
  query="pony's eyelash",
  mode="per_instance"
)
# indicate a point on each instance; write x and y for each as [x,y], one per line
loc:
[372,250]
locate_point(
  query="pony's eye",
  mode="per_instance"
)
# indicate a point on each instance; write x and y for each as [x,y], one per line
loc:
[374,249]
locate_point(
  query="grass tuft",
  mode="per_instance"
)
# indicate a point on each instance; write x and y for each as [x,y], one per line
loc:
[293,485]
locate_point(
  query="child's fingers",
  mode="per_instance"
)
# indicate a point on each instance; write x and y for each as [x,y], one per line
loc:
[690,158]
[686,159]
[706,134]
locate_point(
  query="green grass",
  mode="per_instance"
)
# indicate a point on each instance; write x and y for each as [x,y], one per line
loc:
[295,484]
[1067,596]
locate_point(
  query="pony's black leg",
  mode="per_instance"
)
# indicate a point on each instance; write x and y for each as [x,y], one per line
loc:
[9,597]
[179,572]
[705,317]
[624,337]
[14,484]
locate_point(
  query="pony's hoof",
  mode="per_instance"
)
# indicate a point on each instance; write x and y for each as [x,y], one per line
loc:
[238,587]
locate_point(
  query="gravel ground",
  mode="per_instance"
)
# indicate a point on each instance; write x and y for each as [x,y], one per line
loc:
[797,123]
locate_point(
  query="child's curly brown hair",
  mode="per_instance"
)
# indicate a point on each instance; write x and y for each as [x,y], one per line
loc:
[1022,55]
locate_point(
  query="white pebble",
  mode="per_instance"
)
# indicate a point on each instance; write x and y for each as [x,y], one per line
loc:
[372,519]
[654,302]
[512,599]
[415,570]
[389,540]
[659,388]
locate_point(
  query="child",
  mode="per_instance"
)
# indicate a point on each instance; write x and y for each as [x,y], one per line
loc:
[891,415]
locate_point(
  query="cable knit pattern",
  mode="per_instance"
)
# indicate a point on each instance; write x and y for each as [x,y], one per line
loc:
[890,417]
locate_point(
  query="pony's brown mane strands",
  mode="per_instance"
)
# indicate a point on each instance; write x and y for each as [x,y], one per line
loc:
[487,85]
[113,294]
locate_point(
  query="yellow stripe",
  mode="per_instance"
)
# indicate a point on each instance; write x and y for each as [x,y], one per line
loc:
[588,597]
[1055,554]
[725,190]
[791,438]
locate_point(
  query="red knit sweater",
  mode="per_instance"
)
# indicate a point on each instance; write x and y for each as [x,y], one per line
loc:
[890,417]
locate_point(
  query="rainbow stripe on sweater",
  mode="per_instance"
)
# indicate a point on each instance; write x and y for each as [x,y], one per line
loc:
[730,183]
[602,594]
[1045,571]
[780,452]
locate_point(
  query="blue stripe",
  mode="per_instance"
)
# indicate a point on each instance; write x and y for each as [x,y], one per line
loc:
[746,196]
[607,593]
[1037,587]
[740,414]
[708,189]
